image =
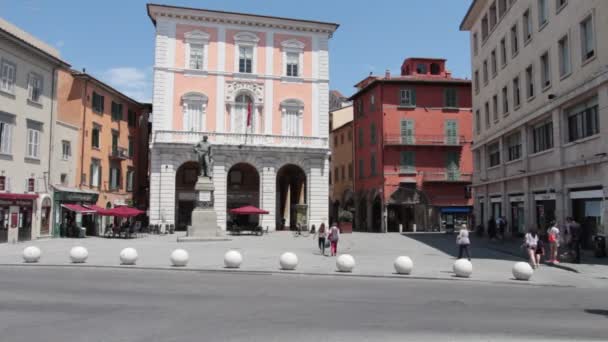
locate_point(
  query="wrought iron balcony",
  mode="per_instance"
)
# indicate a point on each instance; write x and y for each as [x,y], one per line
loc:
[424,140]
[238,139]
[447,176]
[119,153]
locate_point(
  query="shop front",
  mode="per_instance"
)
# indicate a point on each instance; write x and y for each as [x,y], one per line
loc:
[452,218]
[587,207]
[496,207]
[16,211]
[72,209]
[518,220]
[545,210]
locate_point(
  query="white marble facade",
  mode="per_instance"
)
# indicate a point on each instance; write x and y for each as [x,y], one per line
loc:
[289,123]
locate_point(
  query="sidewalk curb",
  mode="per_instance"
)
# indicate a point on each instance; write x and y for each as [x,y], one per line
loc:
[292,273]
[560,266]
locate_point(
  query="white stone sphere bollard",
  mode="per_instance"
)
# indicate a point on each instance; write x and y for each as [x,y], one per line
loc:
[288,261]
[128,256]
[345,263]
[31,254]
[79,254]
[403,265]
[233,259]
[522,271]
[179,257]
[463,268]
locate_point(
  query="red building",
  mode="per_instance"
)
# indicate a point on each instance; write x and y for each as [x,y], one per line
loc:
[412,149]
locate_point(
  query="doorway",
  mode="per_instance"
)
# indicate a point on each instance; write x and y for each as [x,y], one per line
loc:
[292,202]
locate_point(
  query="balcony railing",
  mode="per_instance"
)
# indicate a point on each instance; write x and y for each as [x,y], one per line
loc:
[447,176]
[185,137]
[119,153]
[424,140]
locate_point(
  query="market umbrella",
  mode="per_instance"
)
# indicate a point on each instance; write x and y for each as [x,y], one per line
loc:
[124,212]
[248,210]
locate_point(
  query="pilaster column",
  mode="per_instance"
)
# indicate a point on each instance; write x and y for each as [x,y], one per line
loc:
[268,190]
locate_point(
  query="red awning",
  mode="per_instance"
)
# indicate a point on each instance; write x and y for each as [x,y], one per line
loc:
[248,210]
[123,212]
[99,210]
[11,196]
[78,208]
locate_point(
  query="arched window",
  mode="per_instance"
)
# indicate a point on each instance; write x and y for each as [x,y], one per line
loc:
[194,106]
[292,111]
[243,119]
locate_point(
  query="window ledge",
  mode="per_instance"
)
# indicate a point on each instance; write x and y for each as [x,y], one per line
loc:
[494,74]
[514,161]
[406,106]
[7,156]
[561,8]
[494,167]
[33,103]
[504,65]
[566,75]
[582,140]
[504,115]
[528,41]
[547,87]
[514,54]
[195,73]
[7,94]
[543,25]
[32,160]
[589,60]
[516,108]
[531,98]
[291,79]
[245,75]
[542,152]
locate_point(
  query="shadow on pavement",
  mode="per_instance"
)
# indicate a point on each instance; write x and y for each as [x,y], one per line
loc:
[599,312]
[480,248]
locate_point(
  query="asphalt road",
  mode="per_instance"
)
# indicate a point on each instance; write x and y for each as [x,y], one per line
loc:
[74,304]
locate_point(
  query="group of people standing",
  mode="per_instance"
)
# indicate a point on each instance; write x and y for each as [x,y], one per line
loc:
[568,237]
[328,238]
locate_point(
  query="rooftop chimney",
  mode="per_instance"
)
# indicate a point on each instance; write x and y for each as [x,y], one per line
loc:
[387,74]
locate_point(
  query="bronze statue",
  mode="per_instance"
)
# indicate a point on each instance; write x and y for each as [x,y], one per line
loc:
[204,156]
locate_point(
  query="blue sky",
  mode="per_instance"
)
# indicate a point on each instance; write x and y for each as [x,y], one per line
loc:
[114,39]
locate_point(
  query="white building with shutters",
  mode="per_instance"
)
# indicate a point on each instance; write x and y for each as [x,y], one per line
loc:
[28,69]
[540,82]
[257,86]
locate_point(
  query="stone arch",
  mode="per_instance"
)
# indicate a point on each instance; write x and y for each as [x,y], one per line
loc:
[242,188]
[292,196]
[185,195]
[46,204]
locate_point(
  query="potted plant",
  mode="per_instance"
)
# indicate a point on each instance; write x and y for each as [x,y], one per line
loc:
[345,221]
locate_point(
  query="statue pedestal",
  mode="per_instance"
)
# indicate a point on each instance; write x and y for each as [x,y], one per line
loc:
[204,219]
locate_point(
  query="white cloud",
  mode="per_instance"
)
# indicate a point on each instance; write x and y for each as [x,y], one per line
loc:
[133,82]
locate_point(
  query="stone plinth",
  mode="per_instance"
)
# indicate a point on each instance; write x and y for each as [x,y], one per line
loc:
[204,219]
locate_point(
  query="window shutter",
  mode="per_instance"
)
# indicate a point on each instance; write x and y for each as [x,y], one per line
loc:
[8,184]
[99,176]
[27,185]
[91,174]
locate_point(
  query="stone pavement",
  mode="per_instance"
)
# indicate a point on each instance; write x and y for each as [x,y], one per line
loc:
[433,255]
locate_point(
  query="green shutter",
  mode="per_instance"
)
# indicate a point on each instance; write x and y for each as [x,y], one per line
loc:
[451,132]
[413,95]
[452,165]
[407,162]
[373,134]
[407,132]
[450,98]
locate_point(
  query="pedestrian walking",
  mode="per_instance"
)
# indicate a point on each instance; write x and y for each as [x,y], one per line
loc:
[492,228]
[334,236]
[502,227]
[531,245]
[321,235]
[553,238]
[463,242]
[574,246]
